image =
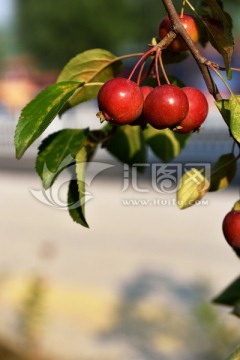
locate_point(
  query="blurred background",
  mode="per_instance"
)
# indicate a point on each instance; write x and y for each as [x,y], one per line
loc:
[138,284]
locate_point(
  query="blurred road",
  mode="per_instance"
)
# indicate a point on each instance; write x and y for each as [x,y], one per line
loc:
[88,269]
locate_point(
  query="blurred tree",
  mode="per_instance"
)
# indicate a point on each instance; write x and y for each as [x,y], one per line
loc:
[56,33]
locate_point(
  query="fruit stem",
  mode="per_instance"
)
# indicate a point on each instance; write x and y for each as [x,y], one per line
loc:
[128,56]
[156,66]
[190,5]
[140,72]
[143,57]
[182,9]
[163,68]
[148,72]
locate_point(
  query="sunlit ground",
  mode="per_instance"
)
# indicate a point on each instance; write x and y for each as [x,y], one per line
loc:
[136,285]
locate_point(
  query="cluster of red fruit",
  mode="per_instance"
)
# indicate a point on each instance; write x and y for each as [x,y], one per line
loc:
[122,101]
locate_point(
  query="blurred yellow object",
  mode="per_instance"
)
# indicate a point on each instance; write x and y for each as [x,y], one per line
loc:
[16,93]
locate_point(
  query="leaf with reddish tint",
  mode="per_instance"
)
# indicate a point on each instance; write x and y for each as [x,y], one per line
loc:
[218,24]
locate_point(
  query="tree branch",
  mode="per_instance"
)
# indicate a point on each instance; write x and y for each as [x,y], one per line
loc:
[178,28]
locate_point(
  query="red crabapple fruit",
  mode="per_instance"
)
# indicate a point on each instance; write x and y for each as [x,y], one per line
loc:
[165,106]
[231,228]
[198,110]
[120,101]
[178,44]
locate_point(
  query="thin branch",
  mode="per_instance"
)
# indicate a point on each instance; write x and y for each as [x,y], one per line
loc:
[183,8]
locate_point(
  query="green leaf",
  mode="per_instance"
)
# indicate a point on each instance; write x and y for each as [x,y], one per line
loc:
[127,145]
[166,144]
[231,295]
[57,152]
[74,209]
[215,7]
[40,112]
[235,117]
[223,172]
[218,24]
[76,191]
[224,108]
[92,67]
